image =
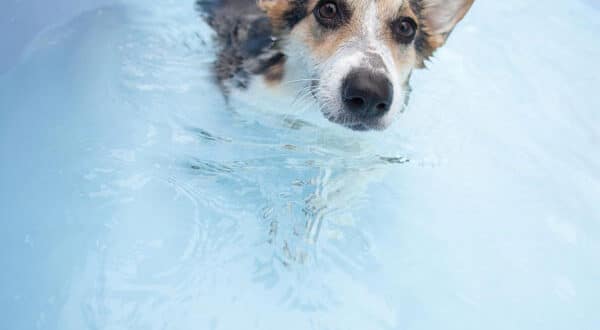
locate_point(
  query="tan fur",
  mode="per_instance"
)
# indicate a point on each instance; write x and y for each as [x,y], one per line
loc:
[323,43]
[274,73]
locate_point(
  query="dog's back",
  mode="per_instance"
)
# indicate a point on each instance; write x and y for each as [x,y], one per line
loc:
[245,39]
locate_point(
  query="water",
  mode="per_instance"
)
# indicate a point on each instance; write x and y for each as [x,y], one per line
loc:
[133,197]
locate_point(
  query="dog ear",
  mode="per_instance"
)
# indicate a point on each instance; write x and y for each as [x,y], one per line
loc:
[439,17]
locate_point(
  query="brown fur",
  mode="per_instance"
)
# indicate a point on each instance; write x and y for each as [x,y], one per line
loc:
[274,74]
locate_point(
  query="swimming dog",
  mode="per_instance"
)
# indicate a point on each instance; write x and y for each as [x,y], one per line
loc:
[355,57]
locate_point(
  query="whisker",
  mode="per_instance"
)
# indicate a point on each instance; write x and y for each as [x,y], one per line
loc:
[298,81]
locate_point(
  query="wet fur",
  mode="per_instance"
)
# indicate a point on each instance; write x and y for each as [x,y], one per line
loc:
[245,39]
[253,38]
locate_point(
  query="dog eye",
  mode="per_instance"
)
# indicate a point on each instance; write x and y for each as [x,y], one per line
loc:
[328,14]
[404,29]
[328,10]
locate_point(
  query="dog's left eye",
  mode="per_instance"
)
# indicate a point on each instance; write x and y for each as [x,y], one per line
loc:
[404,29]
[328,14]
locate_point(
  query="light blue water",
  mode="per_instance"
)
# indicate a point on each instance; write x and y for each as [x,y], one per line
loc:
[132,197]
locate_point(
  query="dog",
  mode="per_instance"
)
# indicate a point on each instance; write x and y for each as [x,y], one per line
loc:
[355,57]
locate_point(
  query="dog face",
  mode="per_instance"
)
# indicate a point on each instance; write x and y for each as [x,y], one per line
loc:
[358,55]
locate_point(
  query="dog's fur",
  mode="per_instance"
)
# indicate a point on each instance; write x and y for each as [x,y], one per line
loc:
[283,41]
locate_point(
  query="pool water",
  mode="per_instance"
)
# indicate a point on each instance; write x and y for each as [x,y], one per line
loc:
[132,196]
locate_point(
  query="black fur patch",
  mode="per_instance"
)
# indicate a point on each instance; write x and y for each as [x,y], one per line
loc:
[297,12]
[258,37]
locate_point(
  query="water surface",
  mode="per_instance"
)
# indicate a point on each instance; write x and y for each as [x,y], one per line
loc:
[133,196]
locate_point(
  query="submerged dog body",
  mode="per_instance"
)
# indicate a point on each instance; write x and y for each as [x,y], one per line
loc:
[355,56]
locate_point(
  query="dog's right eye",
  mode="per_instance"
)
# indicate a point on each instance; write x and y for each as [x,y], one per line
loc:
[328,14]
[328,10]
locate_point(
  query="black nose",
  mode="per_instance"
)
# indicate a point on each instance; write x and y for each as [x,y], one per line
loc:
[367,94]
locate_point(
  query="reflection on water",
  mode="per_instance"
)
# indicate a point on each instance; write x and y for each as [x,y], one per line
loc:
[137,198]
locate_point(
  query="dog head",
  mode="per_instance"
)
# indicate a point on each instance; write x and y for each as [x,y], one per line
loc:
[358,55]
